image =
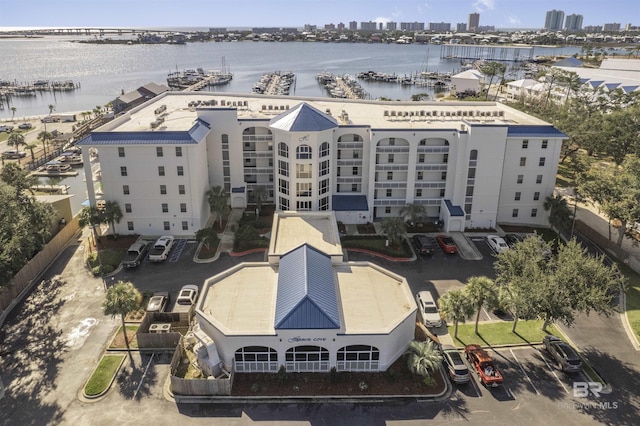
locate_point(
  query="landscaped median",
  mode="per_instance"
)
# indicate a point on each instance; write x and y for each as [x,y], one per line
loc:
[500,333]
[103,376]
[377,245]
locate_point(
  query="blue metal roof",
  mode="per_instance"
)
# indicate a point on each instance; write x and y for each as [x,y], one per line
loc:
[307,297]
[596,83]
[611,86]
[547,131]
[629,89]
[344,203]
[193,136]
[303,118]
[454,210]
[583,80]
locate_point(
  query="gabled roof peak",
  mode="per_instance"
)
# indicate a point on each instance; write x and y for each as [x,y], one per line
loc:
[303,118]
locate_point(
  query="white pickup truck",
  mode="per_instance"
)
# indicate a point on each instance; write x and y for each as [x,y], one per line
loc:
[161,248]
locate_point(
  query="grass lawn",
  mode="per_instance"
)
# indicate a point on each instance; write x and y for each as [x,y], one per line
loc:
[103,375]
[377,244]
[499,333]
[118,340]
[633,297]
[208,253]
[108,257]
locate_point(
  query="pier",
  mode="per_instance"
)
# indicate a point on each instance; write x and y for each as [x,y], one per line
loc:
[343,86]
[274,83]
[488,53]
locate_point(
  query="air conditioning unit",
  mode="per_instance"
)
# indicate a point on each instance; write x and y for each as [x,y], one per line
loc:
[159,328]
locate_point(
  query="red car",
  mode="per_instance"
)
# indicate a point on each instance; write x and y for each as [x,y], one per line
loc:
[447,244]
[489,375]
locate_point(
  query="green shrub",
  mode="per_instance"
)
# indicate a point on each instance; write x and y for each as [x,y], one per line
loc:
[282,376]
[101,270]
[246,233]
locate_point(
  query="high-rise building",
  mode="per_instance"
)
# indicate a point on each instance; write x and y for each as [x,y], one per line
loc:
[611,27]
[412,26]
[474,21]
[392,26]
[368,26]
[341,26]
[554,20]
[461,27]
[573,22]
[353,26]
[439,26]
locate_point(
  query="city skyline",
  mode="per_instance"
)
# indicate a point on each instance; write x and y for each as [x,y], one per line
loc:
[297,13]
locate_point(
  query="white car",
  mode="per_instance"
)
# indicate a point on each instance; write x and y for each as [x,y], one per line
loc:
[427,309]
[497,244]
[187,296]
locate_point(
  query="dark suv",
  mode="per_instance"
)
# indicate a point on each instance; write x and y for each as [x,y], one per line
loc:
[566,357]
[424,245]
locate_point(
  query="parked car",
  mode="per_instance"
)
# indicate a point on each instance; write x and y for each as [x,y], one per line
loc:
[158,302]
[50,120]
[14,154]
[186,298]
[497,244]
[161,248]
[428,310]
[488,373]
[135,254]
[25,126]
[457,368]
[566,357]
[513,239]
[447,244]
[424,245]
[7,129]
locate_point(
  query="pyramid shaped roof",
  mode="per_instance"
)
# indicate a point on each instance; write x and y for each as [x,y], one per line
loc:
[303,118]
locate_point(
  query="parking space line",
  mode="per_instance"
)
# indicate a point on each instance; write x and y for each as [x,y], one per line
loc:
[476,388]
[553,372]
[143,375]
[180,244]
[524,372]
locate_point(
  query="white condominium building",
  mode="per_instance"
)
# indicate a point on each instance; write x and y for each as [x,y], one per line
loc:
[470,164]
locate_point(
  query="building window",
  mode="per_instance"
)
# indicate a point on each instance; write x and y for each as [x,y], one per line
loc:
[163,189]
[123,171]
[354,171]
[185,225]
[180,171]
[303,152]
[523,161]
[167,226]
[387,210]
[419,192]
[542,161]
[283,150]
[160,170]
[324,186]
[471,173]
[130,226]
[545,143]
[283,203]
[391,158]
[520,178]
[120,151]
[303,205]
[536,196]
[517,197]
[514,213]
[181,190]
[389,175]
[283,186]
[324,149]
[392,141]
[324,168]
[525,144]
[354,187]
[443,176]
[324,203]
[165,208]
[303,189]
[127,208]
[178,151]
[445,158]
[356,154]
[283,168]
[183,207]
[473,154]
[469,192]
[534,212]
[421,158]
[159,152]
[442,192]
[389,193]
[304,171]
[539,179]
[420,175]
[125,189]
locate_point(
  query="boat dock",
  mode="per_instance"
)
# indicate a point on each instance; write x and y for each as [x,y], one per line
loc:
[274,83]
[17,88]
[486,52]
[341,86]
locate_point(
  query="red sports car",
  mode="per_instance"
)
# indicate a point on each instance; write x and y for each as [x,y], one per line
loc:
[447,244]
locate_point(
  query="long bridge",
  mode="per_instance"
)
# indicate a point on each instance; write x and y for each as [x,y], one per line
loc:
[489,53]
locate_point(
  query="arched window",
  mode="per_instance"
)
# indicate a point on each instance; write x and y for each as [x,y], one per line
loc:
[358,358]
[225,138]
[473,155]
[256,358]
[283,150]
[307,358]
[303,152]
[324,149]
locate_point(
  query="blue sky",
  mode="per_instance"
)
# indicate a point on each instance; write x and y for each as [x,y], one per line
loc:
[296,13]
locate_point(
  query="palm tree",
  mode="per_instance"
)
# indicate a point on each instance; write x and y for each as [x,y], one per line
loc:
[415,212]
[91,216]
[482,292]
[52,107]
[260,195]
[13,112]
[111,215]
[31,147]
[121,299]
[492,69]
[423,358]
[218,202]
[45,137]
[394,227]
[559,212]
[455,306]
[16,139]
